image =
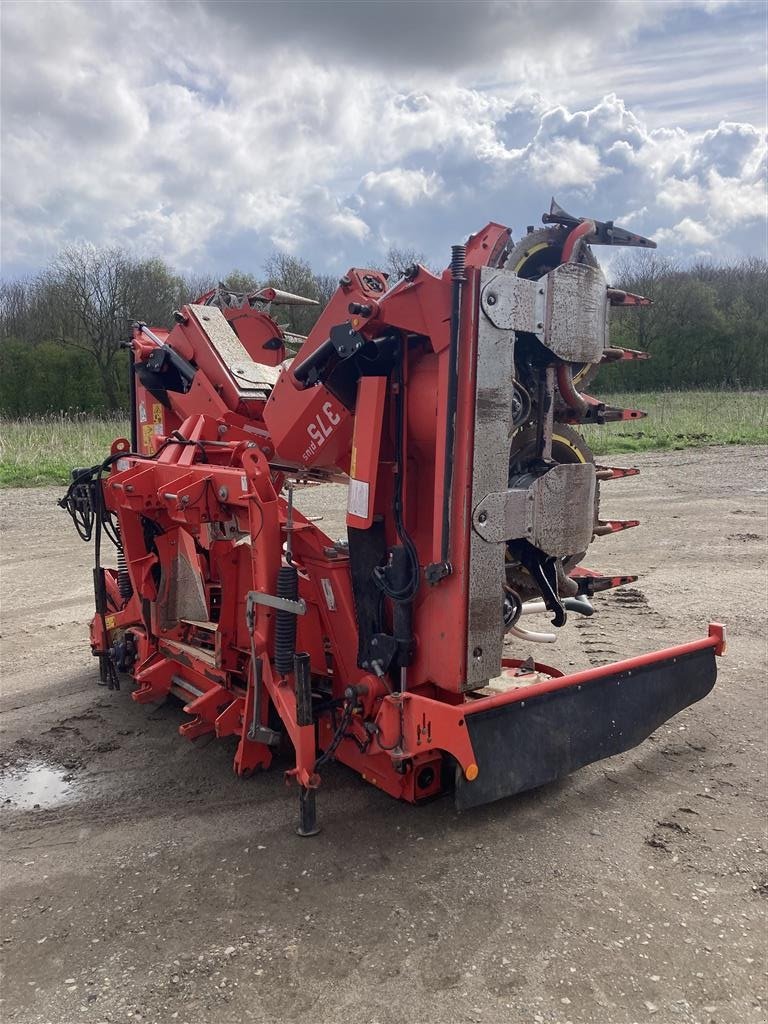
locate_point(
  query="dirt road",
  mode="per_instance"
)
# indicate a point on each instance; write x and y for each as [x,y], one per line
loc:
[152,885]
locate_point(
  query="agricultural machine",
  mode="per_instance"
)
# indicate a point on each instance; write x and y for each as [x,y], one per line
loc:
[446,405]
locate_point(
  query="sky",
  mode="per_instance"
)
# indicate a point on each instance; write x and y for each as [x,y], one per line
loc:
[214,133]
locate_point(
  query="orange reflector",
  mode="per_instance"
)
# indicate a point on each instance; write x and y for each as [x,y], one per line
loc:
[471,772]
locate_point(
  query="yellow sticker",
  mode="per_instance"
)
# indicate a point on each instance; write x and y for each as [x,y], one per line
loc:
[157,412]
[146,436]
[353,460]
[110,621]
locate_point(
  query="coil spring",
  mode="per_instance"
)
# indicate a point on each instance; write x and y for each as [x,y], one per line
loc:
[285,622]
[458,262]
[123,579]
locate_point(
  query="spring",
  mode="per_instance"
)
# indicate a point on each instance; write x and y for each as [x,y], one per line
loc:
[458,262]
[123,579]
[285,622]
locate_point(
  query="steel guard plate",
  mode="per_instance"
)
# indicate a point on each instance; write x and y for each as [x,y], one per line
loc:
[528,743]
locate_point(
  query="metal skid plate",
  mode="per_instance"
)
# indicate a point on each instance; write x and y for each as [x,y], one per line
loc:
[576,320]
[490,470]
[555,511]
[252,379]
[527,743]
[567,310]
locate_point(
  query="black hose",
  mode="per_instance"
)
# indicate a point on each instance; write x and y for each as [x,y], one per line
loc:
[458,275]
[132,398]
[400,591]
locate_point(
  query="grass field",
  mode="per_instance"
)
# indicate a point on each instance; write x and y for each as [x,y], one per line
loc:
[682,419]
[43,450]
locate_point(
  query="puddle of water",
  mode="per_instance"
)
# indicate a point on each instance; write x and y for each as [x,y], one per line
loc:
[35,784]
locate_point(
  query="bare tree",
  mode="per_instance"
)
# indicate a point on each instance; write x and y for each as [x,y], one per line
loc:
[295,275]
[194,286]
[397,261]
[241,281]
[91,296]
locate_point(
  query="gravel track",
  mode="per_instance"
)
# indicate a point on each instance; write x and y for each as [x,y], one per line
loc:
[159,887]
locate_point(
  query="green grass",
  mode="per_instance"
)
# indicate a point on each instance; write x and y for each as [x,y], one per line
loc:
[44,450]
[682,419]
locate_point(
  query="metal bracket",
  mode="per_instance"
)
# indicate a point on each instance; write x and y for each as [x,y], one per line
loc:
[555,511]
[567,310]
[271,601]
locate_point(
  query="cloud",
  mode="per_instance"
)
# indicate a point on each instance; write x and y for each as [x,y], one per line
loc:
[565,164]
[213,133]
[688,230]
[401,185]
[443,38]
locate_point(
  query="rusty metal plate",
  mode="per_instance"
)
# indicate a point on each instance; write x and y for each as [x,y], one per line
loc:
[555,511]
[248,375]
[576,320]
[490,470]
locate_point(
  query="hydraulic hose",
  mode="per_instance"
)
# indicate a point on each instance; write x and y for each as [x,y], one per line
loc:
[574,240]
[531,636]
[568,392]
[458,277]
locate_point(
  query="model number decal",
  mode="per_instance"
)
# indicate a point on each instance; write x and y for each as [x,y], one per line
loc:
[321,428]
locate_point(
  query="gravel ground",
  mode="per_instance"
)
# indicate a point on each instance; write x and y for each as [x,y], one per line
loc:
[150,884]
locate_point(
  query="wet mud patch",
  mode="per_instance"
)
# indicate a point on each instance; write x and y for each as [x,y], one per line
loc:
[34,784]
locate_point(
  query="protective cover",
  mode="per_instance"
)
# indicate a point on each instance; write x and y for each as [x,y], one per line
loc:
[527,743]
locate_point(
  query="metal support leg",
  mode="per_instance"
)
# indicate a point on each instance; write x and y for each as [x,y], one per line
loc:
[307,797]
[303,683]
[307,813]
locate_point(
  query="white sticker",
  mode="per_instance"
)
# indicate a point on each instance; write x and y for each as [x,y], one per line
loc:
[357,499]
[158,429]
[244,483]
[142,412]
[330,597]
[122,465]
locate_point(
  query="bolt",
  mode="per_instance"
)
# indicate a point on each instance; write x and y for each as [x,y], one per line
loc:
[482,517]
[540,325]
[223,493]
[222,428]
[492,299]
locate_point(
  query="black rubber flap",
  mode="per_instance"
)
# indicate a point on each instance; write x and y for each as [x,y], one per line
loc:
[527,743]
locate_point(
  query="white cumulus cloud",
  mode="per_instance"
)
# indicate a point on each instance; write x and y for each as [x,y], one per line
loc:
[212,133]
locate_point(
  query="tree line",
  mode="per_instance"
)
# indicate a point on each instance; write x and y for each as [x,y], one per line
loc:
[61,330]
[707,326]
